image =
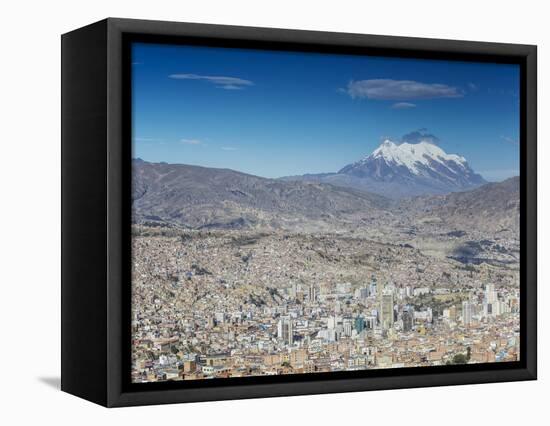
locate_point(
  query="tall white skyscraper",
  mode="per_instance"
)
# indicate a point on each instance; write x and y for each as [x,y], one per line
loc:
[386,311]
[466,313]
[331,323]
[490,294]
[312,293]
[348,327]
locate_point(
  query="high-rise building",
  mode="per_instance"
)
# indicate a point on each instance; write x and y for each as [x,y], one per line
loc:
[408,319]
[466,313]
[487,309]
[386,311]
[380,290]
[490,294]
[372,286]
[290,327]
[361,293]
[348,326]
[293,290]
[452,312]
[359,324]
[219,317]
[285,330]
[312,293]
[211,322]
[429,314]
[370,322]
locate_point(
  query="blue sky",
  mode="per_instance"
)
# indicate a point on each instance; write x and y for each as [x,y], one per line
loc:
[275,114]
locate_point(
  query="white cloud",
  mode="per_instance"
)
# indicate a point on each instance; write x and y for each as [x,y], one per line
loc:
[191,141]
[400,90]
[222,82]
[420,135]
[148,141]
[403,105]
[137,139]
[509,140]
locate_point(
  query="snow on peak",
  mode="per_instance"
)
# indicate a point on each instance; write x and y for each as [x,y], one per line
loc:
[414,155]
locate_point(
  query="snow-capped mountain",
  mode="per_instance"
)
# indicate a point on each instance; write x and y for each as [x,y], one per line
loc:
[423,162]
[402,170]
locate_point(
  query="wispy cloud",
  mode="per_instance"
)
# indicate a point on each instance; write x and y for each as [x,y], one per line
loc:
[191,141]
[509,140]
[473,87]
[229,148]
[400,90]
[403,105]
[149,141]
[222,82]
[138,139]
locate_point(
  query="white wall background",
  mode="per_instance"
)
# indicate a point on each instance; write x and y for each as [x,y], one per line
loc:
[30,210]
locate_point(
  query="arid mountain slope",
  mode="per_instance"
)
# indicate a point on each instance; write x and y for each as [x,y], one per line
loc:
[198,197]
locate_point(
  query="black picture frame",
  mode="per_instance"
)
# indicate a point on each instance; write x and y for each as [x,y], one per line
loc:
[96,179]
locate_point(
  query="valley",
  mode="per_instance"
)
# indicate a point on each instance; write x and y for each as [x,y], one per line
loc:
[237,275]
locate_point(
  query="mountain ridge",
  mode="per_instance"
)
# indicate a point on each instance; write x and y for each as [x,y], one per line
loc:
[198,197]
[493,206]
[403,170]
[195,197]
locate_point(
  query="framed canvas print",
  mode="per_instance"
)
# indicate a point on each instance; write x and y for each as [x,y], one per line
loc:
[252,212]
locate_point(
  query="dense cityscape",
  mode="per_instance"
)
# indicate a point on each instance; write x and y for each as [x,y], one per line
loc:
[293,214]
[219,304]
